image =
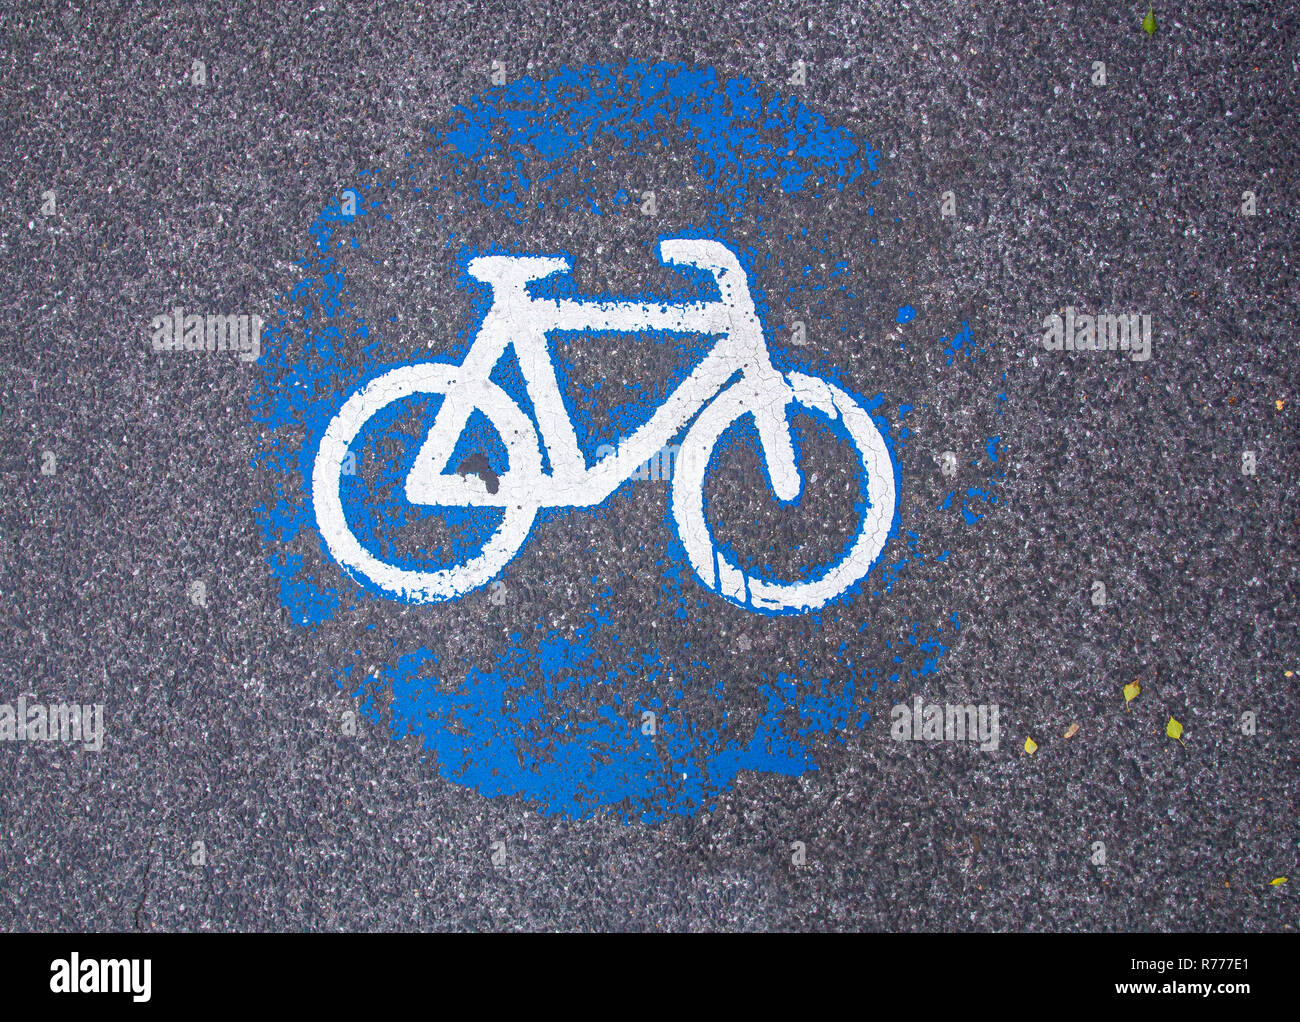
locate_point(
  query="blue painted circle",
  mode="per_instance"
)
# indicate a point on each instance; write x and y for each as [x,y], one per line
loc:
[511,729]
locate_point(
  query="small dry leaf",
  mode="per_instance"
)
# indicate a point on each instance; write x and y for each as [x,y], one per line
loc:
[1278,404]
[1131,691]
[1174,729]
[1072,731]
[1277,882]
[1031,746]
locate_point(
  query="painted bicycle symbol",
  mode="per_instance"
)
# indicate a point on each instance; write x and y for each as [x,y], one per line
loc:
[735,379]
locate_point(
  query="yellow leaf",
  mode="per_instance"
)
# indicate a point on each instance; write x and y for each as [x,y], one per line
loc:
[1278,405]
[1277,882]
[1131,691]
[1031,746]
[1174,729]
[1072,731]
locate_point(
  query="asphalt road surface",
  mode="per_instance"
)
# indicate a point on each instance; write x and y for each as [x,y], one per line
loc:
[230,792]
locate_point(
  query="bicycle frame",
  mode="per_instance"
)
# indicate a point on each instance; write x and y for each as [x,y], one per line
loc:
[517,319]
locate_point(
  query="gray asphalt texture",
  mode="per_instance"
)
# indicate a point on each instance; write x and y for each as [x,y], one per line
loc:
[222,723]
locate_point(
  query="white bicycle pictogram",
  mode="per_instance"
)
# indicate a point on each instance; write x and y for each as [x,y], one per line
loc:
[736,378]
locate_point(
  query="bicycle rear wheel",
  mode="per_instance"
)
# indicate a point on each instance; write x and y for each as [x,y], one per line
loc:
[417,586]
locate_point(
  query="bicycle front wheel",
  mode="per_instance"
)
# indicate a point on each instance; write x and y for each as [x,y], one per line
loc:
[716,568]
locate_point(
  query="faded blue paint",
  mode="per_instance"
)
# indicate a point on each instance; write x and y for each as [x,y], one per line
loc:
[513,730]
